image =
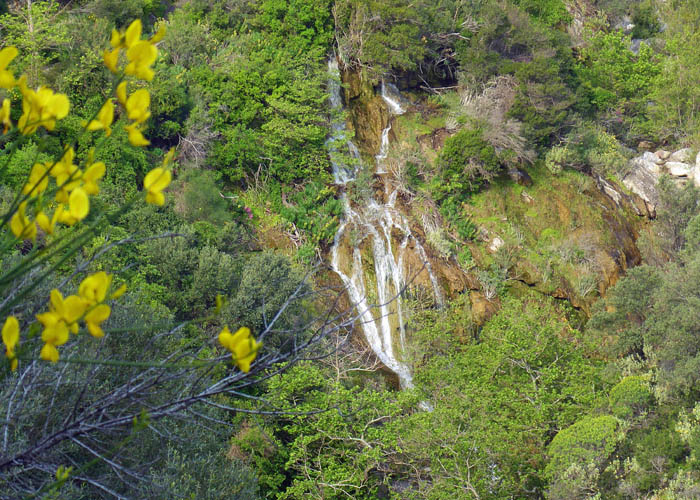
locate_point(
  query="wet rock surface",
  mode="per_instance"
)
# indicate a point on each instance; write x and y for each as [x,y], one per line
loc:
[368,115]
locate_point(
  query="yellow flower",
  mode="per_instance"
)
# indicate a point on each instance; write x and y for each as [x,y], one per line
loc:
[155,182]
[105,117]
[21,226]
[68,176]
[127,39]
[137,106]
[41,108]
[159,34]
[61,319]
[121,93]
[5,115]
[136,137]
[48,225]
[49,353]
[140,53]
[141,56]
[68,310]
[169,157]
[92,175]
[119,292]
[67,183]
[38,180]
[64,166]
[78,204]
[55,329]
[96,316]
[10,337]
[94,288]
[111,59]
[242,345]
[7,79]
[64,217]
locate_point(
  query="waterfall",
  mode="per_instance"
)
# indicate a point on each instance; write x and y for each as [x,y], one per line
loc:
[344,166]
[379,223]
[383,150]
[392,97]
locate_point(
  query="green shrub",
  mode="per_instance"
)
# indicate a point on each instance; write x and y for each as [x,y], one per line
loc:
[465,258]
[588,146]
[201,199]
[16,172]
[550,12]
[315,211]
[646,21]
[612,74]
[466,162]
[590,440]
[630,397]
[659,452]
[452,212]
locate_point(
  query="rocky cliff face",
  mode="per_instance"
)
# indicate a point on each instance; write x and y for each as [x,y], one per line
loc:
[367,111]
[645,171]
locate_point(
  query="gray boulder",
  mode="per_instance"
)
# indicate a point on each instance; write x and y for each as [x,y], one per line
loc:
[682,155]
[642,180]
[678,169]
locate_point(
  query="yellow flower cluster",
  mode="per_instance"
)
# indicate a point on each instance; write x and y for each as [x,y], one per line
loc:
[242,346]
[73,188]
[40,108]
[7,79]
[136,106]
[141,54]
[64,315]
[43,205]
[43,107]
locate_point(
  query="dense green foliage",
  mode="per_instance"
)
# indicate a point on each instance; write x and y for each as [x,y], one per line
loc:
[530,399]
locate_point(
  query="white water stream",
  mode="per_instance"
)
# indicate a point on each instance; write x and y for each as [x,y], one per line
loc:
[382,319]
[344,166]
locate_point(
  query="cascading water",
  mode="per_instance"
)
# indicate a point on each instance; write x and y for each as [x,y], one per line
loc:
[382,324]
[383,150]
[392,98]
[344,166]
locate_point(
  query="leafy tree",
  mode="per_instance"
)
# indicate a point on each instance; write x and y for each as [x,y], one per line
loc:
[612,75]
[37,30]
[498,400]
[675,93]
[618,325]
[631,397]
[590,440]
[336,441]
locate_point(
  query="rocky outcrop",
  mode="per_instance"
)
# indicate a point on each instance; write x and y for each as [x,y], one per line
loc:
[634,203]
[520,176]
[367,112]
[645,171]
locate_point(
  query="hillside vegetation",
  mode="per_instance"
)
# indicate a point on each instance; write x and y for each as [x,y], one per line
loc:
[562,358]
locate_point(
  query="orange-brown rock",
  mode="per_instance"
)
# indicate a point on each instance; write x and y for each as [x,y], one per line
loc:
[482,308]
